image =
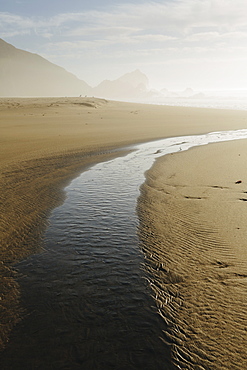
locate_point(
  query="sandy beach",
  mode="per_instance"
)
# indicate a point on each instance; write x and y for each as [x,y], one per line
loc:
[190,200]
[193,227]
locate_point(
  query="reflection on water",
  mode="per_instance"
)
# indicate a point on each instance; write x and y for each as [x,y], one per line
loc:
[88,304]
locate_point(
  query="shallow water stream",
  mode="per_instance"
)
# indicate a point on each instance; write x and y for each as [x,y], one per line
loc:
[86,297]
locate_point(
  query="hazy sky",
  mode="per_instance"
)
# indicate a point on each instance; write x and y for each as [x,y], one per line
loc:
[177,43]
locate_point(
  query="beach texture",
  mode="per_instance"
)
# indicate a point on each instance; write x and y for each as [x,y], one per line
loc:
[193,215]
[47,142]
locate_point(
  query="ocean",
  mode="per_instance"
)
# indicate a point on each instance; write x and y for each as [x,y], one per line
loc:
[219,100]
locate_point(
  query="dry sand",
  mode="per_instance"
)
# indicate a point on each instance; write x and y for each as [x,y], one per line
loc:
[193,211]
[45,142]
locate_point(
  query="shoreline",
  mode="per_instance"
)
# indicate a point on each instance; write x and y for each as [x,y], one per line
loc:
[193,215]
[46,142]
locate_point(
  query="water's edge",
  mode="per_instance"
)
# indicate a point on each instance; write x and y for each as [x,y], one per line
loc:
[87,302]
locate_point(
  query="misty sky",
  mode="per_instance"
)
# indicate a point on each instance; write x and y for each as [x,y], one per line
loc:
[177,43]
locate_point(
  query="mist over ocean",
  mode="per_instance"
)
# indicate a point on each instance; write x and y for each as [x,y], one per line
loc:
[223,100]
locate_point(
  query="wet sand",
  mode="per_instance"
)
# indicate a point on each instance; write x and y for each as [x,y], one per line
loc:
[193,213]
[46,142]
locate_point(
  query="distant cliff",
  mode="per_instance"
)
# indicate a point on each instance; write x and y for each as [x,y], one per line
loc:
[133,85]
[26,74]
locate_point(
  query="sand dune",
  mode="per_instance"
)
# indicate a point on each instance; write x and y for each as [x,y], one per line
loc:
[46,142]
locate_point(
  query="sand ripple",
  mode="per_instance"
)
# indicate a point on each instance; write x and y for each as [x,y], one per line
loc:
[195,279]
